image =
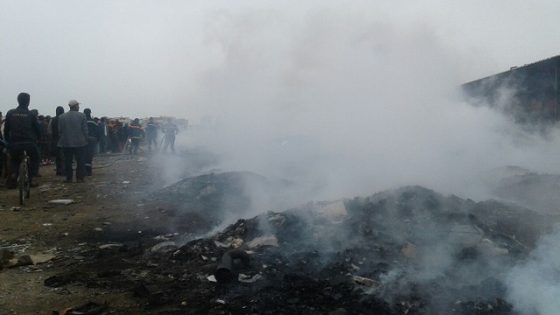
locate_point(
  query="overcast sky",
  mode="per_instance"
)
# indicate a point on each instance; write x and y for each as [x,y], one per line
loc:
[140,58]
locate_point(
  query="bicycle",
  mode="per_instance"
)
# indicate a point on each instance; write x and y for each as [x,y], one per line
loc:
[23,180]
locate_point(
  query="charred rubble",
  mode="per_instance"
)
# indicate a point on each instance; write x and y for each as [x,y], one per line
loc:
[203,202]
[406,251]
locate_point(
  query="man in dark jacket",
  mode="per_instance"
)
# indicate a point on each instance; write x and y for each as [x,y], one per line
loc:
[73,134]
[93,139]
[151,134]
[55,150]
[136,134]
[22,131]
[170,130]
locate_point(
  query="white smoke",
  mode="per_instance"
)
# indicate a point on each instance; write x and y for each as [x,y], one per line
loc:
[349,103]
[533,285]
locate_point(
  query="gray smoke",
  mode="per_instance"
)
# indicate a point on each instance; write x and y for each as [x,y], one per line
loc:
[349,105]
[533,284]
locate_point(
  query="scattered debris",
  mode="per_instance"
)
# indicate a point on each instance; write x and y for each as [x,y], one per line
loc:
[230,242]
[164,247]
[111,246]
[90,308]
[41,258]
[231,262]
[267,240]
[24,260]
[365,281]
[249,279]
[61,201]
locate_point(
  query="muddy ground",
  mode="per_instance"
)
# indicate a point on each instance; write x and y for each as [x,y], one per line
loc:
[108,208]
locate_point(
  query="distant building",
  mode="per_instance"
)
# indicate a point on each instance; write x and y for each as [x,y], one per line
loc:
[529,93]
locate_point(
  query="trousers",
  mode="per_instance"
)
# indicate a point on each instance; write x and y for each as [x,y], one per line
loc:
[69,155]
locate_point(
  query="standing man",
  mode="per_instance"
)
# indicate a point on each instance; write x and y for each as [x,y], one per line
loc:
[35,168]
[73,133]
[103,135]
[56,151]
[151,134]
[170,130]
[44,139]
[93,138]
[136,135]
[22,131]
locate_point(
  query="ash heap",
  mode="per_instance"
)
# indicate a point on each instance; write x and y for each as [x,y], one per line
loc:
[404,251]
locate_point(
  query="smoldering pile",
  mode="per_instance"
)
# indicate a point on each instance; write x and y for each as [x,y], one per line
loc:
[407,251]
[410,251]
[212,199]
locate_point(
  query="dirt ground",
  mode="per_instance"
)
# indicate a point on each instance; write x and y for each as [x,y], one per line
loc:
[108,207]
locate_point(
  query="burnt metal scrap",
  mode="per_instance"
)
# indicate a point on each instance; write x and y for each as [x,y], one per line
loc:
[406,251]
[231,261]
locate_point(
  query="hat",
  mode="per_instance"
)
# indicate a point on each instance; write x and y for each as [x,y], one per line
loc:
[73,103]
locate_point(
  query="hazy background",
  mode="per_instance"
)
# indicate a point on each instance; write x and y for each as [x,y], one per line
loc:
[348,98]
[141,58]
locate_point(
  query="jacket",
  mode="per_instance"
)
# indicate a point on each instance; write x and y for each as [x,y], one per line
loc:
[72,130]
[135,132]
[53,126]
[93,130]
[21,126]
[151,130]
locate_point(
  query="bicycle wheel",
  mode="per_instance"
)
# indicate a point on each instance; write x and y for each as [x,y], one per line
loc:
[27,185]
[21,182]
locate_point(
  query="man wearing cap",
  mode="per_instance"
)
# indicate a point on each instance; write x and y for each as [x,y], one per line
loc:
[21,131]
[73,135]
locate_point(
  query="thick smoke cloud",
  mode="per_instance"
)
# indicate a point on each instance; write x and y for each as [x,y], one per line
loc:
[349,105]
[344,106]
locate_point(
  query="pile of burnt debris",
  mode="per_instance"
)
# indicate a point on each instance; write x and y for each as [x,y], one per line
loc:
[407,251]
[213,198]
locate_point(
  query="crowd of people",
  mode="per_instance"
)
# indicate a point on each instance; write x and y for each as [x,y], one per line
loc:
[72,138]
